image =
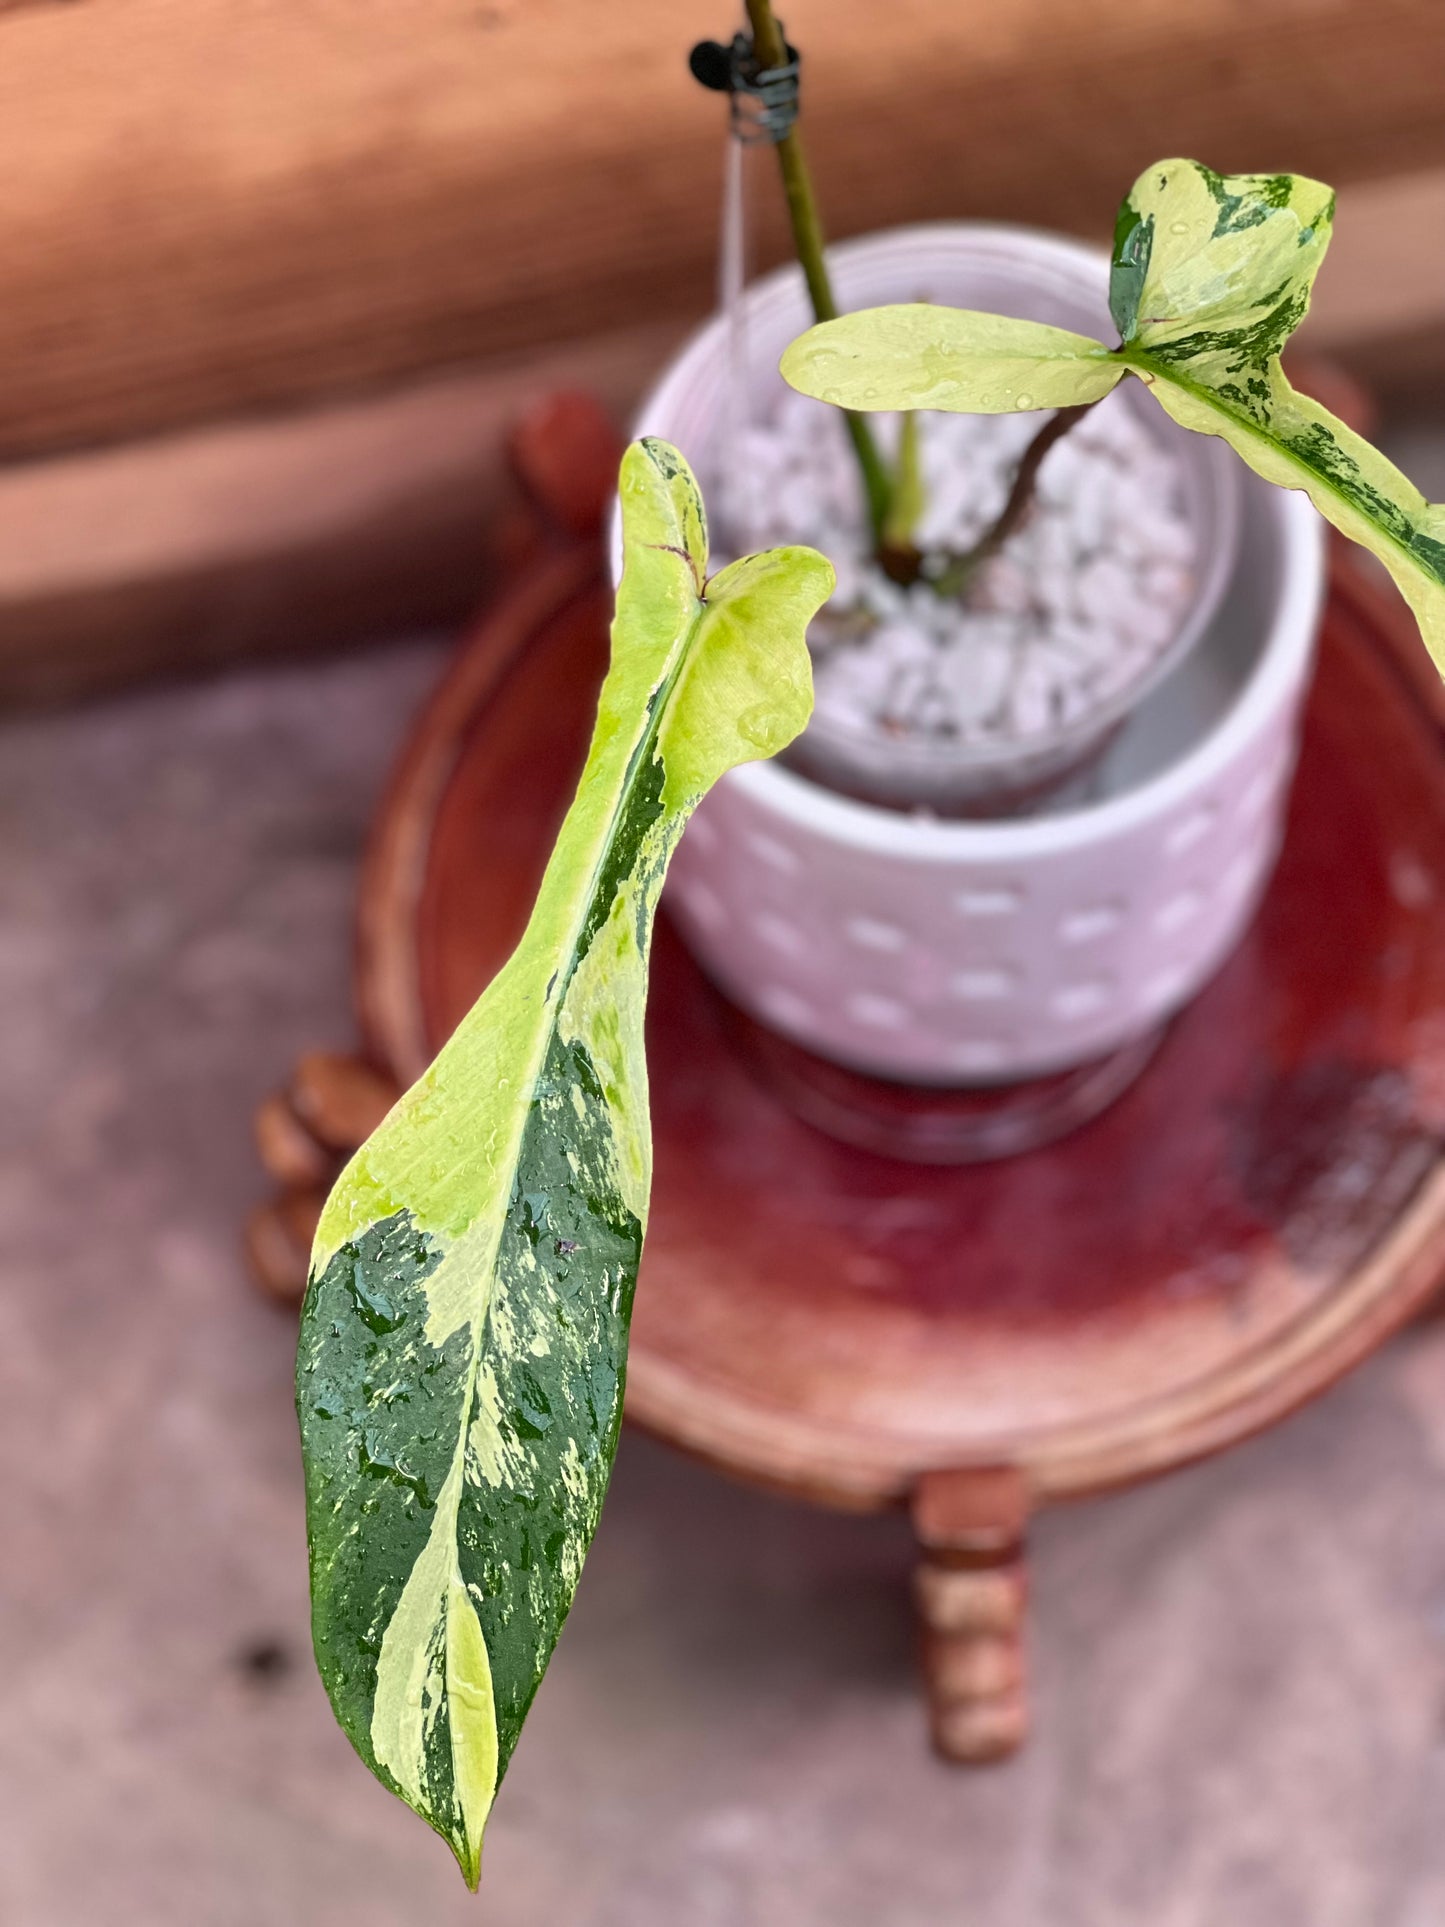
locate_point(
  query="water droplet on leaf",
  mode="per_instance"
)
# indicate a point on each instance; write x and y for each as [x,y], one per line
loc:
[756,726]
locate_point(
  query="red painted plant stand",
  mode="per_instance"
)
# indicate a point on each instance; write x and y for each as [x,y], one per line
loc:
[1257,1213]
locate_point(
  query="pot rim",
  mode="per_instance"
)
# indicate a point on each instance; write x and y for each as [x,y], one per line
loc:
[1280,667]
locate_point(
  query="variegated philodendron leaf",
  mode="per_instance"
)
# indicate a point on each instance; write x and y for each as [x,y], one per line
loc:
[464,1336]
[1211,274]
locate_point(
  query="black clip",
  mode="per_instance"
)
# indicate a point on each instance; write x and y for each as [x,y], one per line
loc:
[763,100]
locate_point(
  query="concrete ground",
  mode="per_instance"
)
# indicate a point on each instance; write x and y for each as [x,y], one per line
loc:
[1240,1671]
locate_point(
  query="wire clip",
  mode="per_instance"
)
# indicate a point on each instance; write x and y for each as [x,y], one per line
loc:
[762,101]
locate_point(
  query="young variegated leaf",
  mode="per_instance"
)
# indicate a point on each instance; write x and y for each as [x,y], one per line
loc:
[914,355]
[1211,274]
[464,1336]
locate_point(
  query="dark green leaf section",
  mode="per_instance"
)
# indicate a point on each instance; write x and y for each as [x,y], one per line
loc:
[1133,242]
[379,1443]
[1324,454]
[381,1415]
[1247,200]
[1243,353]
[641,811]
[566,1271]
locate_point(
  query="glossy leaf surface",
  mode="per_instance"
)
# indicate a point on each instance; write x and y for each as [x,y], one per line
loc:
[464,1336]
[914,355]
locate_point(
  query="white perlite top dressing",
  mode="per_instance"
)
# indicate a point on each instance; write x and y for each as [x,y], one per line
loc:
[1084,598]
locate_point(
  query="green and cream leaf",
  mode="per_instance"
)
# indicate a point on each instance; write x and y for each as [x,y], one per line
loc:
[913,355]
[464,1335]
[1211,275]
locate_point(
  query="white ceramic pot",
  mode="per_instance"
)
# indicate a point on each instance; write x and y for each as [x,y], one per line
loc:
[985,952]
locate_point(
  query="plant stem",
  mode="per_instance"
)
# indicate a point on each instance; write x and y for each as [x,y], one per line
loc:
[962,570]
[770,49]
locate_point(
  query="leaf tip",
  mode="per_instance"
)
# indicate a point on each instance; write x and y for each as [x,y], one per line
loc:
[666,459]
[469,1859]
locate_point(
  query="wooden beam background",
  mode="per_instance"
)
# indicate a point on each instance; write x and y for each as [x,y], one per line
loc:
[277,272]
[220,205]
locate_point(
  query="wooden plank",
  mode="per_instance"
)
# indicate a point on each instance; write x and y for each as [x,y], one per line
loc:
[332,526]
[350,519]
[212,207]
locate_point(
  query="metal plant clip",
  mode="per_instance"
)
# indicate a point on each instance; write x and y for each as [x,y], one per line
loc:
[763,101]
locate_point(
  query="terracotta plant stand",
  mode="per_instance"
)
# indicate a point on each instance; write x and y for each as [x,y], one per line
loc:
[1251,1218]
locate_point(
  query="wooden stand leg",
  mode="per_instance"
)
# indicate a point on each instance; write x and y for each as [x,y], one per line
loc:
[304,1134]
[970,1591]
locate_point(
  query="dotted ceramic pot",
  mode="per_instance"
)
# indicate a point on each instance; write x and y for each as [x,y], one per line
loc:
[957,953]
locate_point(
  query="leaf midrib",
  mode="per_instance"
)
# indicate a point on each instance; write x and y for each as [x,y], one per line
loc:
[641,753]
[1140,362]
